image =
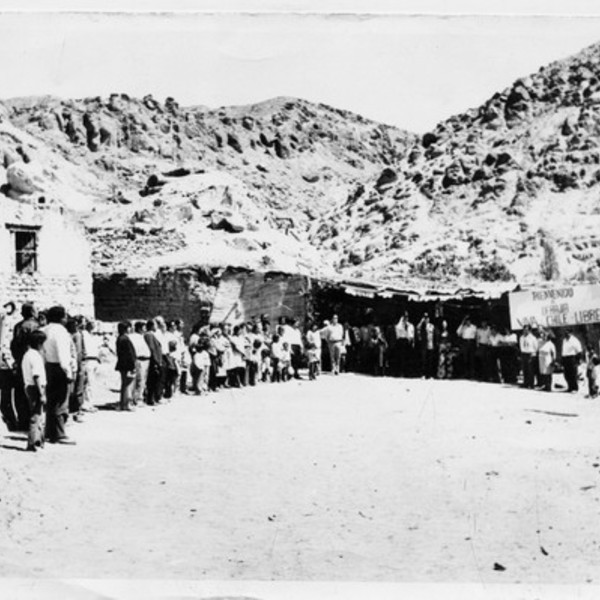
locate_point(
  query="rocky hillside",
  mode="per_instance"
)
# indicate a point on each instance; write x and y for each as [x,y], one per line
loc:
[506,191]
[503,193]
[154,178]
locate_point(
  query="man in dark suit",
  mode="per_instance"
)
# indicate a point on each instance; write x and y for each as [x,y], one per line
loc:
[125,365]
[155,370]
[18,347]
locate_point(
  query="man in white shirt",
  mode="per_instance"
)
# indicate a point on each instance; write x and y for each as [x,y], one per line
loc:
[467,333]
[313,337]
[335,340]
[528,345]
[91,360]
[59,372]
[571,354]
[405,340]
[294,339]
[483,352]
[142,362]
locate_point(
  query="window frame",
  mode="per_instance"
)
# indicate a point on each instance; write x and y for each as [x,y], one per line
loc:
[21,266]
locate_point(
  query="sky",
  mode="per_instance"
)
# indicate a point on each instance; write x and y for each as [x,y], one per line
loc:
[410,66]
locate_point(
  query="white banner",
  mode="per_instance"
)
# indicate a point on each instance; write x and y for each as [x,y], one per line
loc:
[555,307]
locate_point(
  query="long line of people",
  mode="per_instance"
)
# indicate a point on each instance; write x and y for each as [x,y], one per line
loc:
[154,359]
[55,360]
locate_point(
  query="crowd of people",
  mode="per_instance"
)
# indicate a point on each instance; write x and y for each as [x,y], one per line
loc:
[50,374]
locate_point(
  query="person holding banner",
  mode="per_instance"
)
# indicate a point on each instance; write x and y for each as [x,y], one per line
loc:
[571,354]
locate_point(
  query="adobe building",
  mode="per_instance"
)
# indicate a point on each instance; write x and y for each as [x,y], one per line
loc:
[44,256]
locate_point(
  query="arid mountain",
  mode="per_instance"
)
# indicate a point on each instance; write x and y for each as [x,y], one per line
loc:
[506,191]
[152,178]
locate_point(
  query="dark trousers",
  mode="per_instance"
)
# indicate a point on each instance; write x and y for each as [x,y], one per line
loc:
[183,379]
[402,355]
[528,366]
[468,358]
[252,372]
[296,352]
[36,418]
[570,371]
[427,362]
[154,385]
[276,372]
[76,390]
[57,395]
[170,382]
[482,362]
[126,395]
[546,381]
[21,403]
[7,409]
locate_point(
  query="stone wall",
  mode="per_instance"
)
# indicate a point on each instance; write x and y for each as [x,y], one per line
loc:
[63,274]
[172,293]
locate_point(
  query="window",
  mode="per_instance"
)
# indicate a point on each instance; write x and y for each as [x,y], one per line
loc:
[26,250]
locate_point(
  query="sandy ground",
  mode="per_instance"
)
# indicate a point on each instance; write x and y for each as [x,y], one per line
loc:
[346,478]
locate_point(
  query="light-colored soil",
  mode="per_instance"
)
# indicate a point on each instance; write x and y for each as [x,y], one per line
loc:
[346,478]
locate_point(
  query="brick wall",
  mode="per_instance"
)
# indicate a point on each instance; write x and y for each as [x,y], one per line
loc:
[172,293]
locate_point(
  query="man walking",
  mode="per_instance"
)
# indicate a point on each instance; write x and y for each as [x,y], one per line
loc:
[57,354]
[18,347]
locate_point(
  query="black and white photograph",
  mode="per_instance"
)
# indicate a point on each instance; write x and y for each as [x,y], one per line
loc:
[299,300]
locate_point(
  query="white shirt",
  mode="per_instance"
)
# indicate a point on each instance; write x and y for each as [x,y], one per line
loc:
[91,347]
[140,345]
[33,366]
[495,339]
[163,338]
[483,336]
[57,347]
[202,360]
[405,330]
[528,344]
[276,349]
[335,333]
[314,337]
[571,346]
[467,332]
[294,337]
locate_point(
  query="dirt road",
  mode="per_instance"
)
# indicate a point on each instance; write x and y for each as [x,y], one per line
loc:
[346,478]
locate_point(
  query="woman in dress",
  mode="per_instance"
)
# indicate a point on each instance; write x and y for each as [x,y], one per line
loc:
[546,358]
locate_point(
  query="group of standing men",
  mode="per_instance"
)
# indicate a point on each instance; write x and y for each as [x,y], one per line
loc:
[48,373]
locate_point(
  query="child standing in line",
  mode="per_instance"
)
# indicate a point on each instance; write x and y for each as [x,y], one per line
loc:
[313,359]
[173,367]
[276,354]
[202,366]
[266,373]
[285,362]
[34,379]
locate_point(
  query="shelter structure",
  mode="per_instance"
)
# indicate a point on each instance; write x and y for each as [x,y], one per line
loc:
[360,302]
[243,294]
